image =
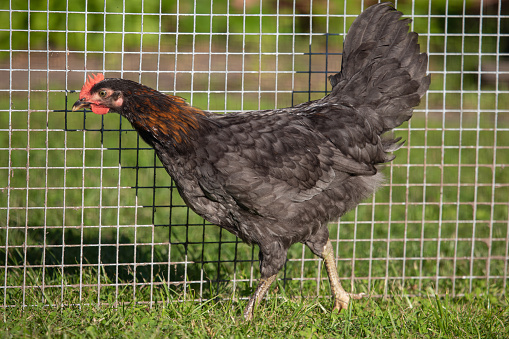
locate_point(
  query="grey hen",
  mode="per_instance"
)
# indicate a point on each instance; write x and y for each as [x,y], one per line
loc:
[278,177]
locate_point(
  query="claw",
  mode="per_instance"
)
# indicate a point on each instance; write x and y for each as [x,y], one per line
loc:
[357,296]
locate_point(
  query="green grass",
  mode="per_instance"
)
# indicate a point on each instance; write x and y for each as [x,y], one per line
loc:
[278,316]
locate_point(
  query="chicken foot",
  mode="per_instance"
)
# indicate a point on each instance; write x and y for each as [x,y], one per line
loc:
[341,297]
[261,290]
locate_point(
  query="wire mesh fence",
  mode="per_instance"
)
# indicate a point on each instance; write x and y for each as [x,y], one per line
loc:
[89,215]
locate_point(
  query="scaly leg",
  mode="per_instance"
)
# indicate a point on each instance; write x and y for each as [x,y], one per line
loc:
[341,297]
[261,290]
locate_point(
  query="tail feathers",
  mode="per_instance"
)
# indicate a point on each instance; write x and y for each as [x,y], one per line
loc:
[382,66]
[389,145]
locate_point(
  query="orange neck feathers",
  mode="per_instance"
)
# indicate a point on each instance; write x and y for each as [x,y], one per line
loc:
[163,118]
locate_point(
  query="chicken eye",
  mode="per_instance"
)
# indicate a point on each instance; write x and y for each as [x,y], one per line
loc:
[102,93]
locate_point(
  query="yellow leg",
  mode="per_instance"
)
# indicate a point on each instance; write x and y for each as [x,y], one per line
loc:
[341,297]
[261,290]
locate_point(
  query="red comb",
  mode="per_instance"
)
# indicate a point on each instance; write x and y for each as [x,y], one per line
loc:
[90,83]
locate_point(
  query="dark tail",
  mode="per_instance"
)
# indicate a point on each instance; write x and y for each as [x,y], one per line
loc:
[382,71]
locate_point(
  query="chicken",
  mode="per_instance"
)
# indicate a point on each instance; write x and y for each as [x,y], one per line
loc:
[277,177]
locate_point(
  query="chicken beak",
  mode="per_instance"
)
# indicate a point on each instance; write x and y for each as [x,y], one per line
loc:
[80,104]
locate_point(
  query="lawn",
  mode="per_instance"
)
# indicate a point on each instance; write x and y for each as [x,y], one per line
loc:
[279,316]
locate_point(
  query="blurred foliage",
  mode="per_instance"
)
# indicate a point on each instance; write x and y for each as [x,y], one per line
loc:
[454,43]
[113,25]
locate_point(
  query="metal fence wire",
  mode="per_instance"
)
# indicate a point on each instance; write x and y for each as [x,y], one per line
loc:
[88,214]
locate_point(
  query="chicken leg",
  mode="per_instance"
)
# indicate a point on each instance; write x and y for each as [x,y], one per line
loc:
[341,297]
[261,290]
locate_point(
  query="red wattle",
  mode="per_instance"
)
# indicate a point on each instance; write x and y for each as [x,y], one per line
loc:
[99,109]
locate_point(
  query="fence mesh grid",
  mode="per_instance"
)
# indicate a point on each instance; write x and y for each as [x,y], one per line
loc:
[89,215]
